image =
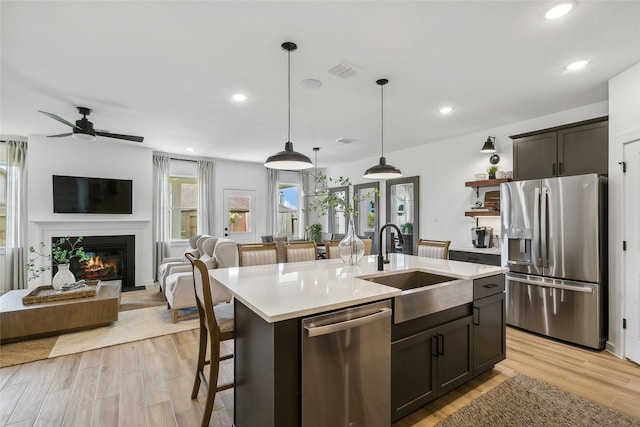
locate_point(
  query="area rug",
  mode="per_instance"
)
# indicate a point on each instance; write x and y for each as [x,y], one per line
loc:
[525,401]
[133,324]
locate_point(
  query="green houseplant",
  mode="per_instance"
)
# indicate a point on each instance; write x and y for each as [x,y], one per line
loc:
[491,170]
[351,248]
[62,251]
[314,232]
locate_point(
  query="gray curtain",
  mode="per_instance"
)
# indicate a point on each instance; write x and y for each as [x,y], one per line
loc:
[161,206]
[273,177]
[16,246]
[206,202]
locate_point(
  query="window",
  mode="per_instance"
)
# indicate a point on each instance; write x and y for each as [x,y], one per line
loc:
[288,209]
[184,207]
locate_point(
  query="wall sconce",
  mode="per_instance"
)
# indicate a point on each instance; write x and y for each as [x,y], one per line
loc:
[490,147]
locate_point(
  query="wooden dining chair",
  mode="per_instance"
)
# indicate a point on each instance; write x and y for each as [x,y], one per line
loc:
[332,250]
[300,251]
[216,325]
[257,254]
[434,248]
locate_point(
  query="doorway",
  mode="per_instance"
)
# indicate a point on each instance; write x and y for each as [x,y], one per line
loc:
[239,218]
[403,210]
[368,220]
[631,233]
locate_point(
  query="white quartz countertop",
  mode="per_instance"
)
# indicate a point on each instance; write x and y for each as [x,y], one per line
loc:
[285,291]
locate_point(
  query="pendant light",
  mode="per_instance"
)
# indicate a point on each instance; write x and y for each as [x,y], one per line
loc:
[382,170]
[315,191]
[289,159]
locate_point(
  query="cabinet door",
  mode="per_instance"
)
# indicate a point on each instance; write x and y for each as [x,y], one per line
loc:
[454,354]
[489,337]
[535,156]
[412,381]
[584,149]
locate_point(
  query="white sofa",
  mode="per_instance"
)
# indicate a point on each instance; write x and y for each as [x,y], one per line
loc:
[168,263]
[179,291]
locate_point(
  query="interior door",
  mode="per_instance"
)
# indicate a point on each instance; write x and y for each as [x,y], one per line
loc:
[403,210]
[239,217]
[631,230]
[368,220]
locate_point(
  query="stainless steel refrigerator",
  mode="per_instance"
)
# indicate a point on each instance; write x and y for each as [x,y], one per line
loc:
[554,243]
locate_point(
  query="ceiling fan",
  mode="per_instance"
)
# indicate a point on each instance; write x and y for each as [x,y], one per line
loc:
[83,129]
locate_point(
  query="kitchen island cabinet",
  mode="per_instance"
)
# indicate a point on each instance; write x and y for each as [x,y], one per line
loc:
[271,302]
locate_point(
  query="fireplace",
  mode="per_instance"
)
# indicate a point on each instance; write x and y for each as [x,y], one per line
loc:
[110,258]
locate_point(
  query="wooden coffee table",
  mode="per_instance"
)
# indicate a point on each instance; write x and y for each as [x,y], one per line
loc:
[19,321]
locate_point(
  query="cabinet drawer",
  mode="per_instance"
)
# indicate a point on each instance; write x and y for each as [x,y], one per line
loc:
[476,258]
[488,286]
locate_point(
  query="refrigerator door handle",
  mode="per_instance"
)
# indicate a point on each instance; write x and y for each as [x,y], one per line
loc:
[566,287]
[544,243]
[537,258]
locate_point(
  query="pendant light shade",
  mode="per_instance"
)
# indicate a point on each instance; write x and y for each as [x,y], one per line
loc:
[289,159]
[382,170]
[489,145]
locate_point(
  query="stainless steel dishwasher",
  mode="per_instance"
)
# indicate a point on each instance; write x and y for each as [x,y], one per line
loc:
[346,367]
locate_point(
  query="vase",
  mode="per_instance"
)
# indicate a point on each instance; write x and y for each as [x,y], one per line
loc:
[62,277]
[351,248]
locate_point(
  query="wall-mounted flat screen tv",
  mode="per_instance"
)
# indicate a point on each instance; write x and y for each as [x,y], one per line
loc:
[77,194]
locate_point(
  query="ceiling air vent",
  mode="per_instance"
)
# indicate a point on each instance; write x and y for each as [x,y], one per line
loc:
[345,140]
[344,70]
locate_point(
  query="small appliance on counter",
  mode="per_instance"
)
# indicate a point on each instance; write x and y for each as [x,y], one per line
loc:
[481,237]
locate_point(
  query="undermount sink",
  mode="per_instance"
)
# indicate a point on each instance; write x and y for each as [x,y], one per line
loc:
[424,293]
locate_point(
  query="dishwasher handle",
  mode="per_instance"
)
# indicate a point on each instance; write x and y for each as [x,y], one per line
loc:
[314,331]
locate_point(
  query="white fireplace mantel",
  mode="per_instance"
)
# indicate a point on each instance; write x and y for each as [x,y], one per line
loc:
[42,230]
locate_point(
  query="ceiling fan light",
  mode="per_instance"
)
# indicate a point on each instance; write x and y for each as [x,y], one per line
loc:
[288,159]
[489,146]
[382,171]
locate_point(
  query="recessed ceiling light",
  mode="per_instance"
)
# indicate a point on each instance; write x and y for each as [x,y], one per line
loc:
[311,83]
[190,150]
[239,97]
[558,10]
[577,65]
[446,110]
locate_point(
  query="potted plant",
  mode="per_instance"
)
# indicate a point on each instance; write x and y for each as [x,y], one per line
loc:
[351,248]
[491,170]
[314,232]
[62,251]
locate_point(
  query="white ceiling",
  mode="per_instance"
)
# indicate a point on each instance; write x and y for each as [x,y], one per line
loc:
[165,70]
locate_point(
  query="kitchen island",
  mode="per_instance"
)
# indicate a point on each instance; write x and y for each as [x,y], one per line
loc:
[271,301]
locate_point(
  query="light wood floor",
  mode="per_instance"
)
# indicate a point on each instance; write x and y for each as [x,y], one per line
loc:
[148,383]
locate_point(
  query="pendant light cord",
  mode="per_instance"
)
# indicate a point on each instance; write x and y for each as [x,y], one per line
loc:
[382,119]
[289,94]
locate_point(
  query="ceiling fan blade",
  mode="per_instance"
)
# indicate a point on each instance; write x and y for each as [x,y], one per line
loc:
[59,135]
[120,136]
[58,118]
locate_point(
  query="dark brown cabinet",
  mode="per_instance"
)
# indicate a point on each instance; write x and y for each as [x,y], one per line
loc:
[475,257]
[430,363]
[566,150]
[489,323]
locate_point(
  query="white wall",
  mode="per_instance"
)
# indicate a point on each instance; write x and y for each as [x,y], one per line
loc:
[445,166]
[624,126]
[66,156]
